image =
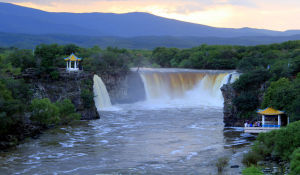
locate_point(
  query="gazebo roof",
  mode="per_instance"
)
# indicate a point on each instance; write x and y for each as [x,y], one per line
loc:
[270,111]
[72,57]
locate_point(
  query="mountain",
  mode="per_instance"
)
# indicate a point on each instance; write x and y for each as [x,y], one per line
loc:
[18,19]
[29,41]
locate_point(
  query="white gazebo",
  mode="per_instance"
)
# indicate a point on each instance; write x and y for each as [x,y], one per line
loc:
[72,63]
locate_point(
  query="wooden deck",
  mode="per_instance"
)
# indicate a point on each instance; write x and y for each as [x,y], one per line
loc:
[258,129]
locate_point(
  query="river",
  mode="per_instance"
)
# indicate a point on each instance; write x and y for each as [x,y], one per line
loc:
[178,129]
[133,141]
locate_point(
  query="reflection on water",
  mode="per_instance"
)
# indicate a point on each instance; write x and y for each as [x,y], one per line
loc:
[164,141]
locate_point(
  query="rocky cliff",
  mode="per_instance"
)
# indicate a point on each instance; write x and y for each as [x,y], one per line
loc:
[65,85]
[124,88]
[230,111]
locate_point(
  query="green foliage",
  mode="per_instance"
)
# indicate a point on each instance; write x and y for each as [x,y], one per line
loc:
[9,109]
[251,158]
[67,112]
[285,95]
[279,94]
[252,171]
[48,57]
[163,56]
[246,102]
[44,112]
[251,80]
[69,49]
[111,61]
[21,58]
[248,64]
[88,98]
[222,163]
[54,75]
[295,162]
[279,143]
[19,89]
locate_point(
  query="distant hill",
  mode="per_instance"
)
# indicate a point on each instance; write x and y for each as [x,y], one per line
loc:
[143,42]
[17,19]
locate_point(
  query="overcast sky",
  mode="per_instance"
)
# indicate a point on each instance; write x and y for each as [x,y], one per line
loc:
[267,14]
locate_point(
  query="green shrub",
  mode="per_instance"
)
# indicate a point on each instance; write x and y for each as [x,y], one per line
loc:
[88,98]
[252,171]
[54,75]
[251,158]
[246,103]
[222,163]
[277,143]
[67,112]
[279,94]
[44,112]
[295,162]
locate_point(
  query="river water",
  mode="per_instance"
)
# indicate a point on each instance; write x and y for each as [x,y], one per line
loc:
[178,129]
[133,139]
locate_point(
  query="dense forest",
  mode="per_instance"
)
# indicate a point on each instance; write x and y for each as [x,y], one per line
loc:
[270,77]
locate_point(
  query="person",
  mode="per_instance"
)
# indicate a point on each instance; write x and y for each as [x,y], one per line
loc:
[251,124]
[246,124]
[258,124]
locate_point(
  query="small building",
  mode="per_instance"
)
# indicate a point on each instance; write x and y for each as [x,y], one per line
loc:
[73,63]
[271,119]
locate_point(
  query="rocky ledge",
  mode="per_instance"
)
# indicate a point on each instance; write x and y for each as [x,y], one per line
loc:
[66,85]
[230,110]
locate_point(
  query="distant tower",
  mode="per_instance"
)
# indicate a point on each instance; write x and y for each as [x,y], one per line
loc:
[73,63]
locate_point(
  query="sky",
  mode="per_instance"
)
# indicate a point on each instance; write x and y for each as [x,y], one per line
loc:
[264,14]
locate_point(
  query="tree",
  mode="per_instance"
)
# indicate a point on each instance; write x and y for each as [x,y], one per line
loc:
[279,95]
[69,49]
[295,162]
[21,58]
[67,111]
[44,112]
[49,57]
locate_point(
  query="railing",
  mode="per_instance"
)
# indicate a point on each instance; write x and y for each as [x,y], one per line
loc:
[259,129]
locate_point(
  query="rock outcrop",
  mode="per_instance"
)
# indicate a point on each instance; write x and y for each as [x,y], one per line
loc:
[66,85]
[125,88]
[230,111]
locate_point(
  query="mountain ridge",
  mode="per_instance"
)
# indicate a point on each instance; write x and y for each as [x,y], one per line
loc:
[19,19]
[28,41]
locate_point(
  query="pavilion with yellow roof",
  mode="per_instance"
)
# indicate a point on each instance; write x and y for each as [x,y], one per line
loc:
[271,119]
[73,63]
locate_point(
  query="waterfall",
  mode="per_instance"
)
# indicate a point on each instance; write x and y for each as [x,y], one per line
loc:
[101,96]
[187,86]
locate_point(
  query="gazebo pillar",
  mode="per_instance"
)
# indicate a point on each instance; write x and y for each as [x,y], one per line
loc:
[263,120]
[279,120]
[67,65]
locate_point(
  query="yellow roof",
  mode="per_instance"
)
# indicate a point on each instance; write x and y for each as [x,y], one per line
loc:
[270,111]
[72,57]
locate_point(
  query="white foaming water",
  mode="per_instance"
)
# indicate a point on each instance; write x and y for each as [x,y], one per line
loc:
[102,100]
[183,88]
[169,88]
